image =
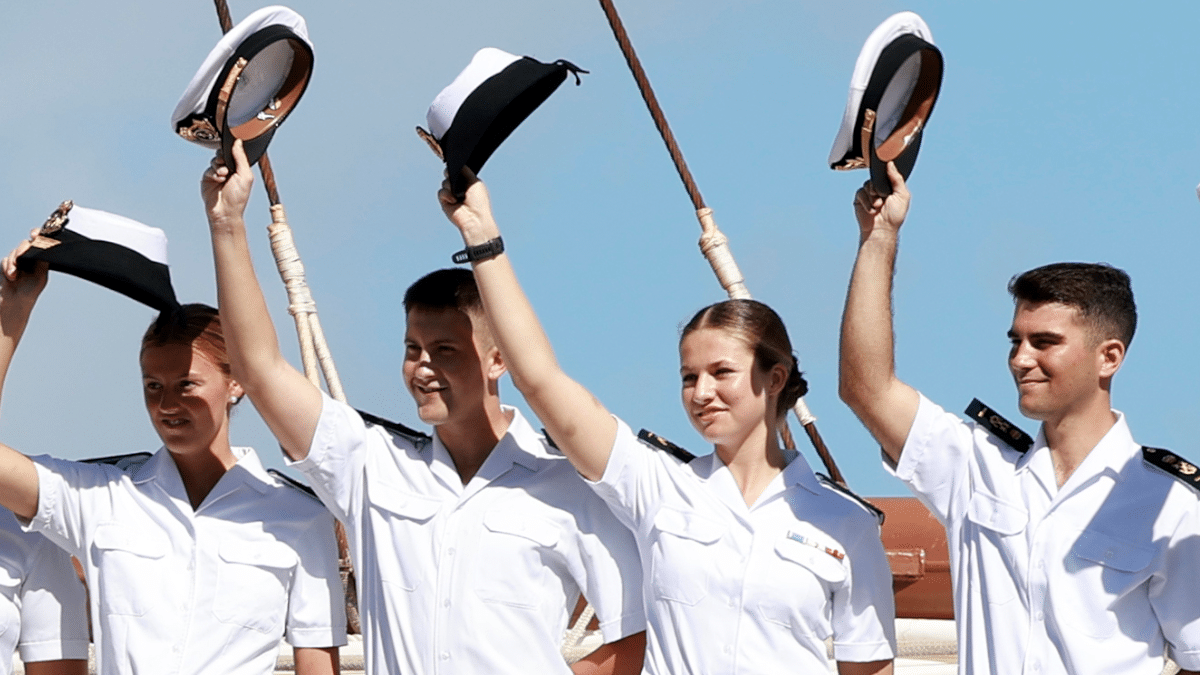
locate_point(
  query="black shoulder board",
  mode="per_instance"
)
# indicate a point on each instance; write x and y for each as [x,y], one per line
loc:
[394,427]
[549,441]
[293,483]
[658,442]
[1172,464]
[1003,429]
[122,462]
[829,482]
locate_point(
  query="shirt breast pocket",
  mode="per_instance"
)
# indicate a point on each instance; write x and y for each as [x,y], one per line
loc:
[1102,569]
[806,578]
[404,516]
[252,583]
[128,560]
[513,552]
[682,560]
[997,524]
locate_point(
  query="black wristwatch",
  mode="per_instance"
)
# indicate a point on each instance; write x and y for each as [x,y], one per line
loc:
[488,249]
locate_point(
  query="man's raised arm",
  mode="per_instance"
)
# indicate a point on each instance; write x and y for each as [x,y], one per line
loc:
[867,379]
[287,401]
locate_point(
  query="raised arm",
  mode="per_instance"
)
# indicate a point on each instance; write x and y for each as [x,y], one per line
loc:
[19,292]
[287,401]
[577,422]
[867,373]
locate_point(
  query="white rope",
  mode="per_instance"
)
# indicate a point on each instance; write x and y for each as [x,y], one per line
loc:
[715,247]
[579,641]
[803,413]
[314,351]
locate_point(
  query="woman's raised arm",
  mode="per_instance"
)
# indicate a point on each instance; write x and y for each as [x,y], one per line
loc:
[578,423]
[19,292]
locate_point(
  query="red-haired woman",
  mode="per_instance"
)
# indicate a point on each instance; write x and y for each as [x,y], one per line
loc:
[198,560]
[751,562]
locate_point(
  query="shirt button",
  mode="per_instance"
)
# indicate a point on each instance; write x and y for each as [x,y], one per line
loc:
[445,656]
[726,649]
[732,603]
[450,552]
[1041,564]
[1040,616]
[446,602]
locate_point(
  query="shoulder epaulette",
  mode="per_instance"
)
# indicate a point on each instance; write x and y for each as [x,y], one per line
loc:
[394,427]
[123,462]
[549,441]
[1001,428]
[1173,464]
[293,483]
[830,483]
[659,443]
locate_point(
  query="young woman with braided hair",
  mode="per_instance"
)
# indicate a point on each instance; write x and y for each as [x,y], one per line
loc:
[750,560]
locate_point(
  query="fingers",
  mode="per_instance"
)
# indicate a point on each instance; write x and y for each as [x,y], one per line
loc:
[9,264]
[239,158]
[446,195]
[867,199]
[898,184]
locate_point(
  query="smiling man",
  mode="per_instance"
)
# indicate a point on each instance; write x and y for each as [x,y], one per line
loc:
[472,545]
[1072,552]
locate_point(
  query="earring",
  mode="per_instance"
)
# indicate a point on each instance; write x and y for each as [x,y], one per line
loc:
[234,399]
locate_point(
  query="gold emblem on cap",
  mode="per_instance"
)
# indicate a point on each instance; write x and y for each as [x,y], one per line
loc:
[57,220]
[431,142]
[200,130]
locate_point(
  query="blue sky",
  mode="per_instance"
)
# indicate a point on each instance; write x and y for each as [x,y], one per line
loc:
[1059,135]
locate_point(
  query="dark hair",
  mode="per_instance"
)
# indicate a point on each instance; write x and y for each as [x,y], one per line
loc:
[763,331]
[1101,292]
[451,288]
[197,325]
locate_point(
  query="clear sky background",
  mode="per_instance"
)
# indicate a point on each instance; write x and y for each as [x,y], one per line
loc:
[1060,134]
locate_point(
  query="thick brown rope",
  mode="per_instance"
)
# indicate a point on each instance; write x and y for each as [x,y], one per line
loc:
[660,120]
[313,349]
[713,243]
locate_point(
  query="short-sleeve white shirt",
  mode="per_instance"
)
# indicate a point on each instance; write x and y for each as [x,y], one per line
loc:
[1095,577]
[478,578]
[732,588]
[207,590]
[42,605]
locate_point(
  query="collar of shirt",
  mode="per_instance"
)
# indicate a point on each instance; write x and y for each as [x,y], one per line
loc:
[1108,458]
[520,446]
[248,470]
[710,469]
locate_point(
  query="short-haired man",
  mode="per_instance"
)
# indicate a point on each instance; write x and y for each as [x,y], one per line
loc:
[1074,552]
[473,545]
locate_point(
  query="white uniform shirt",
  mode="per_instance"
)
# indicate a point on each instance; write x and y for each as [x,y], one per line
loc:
[42,605]
[732,588]
[210,590]
[478,578]
[1085,579]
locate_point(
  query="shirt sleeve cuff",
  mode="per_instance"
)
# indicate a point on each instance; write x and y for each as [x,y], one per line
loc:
[863,652]
[915,446]
[47,501]
[320,637]
[1188,659]
[623,626]
[53,650]
[323,438]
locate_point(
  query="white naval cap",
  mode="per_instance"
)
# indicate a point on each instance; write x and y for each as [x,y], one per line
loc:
[116,252]
[488,100]
[895,83]
[248,85]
